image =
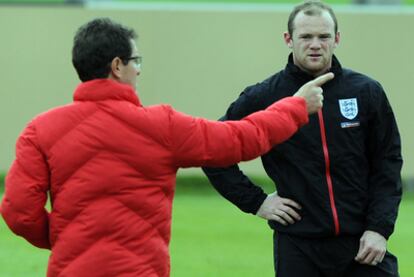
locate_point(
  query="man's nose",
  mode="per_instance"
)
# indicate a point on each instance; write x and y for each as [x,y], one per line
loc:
[315,43]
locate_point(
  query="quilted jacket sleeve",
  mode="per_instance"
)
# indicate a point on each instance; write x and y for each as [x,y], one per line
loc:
[200,142]
[27,183]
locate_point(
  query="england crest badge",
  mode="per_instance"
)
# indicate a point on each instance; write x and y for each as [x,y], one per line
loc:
[349,108]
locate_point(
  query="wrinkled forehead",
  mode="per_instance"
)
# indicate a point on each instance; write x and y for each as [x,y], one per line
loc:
[319,22]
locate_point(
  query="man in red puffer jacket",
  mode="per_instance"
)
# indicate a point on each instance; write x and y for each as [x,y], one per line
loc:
[109,164]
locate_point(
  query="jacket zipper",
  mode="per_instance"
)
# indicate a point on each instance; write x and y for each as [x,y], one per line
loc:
[328,172]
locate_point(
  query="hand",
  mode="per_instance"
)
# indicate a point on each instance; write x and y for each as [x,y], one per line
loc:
[279,209]
[372,248]
[312,92]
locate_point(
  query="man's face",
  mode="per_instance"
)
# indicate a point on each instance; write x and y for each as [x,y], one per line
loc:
[313,42]
[132,69]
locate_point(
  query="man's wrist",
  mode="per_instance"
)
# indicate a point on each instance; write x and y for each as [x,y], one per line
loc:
[378,230]
[258,203]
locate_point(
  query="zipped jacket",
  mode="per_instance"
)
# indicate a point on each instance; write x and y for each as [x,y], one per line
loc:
[109,165]
[343,167]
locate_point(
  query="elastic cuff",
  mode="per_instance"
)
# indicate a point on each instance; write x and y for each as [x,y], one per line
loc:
[379,230]
[258,202]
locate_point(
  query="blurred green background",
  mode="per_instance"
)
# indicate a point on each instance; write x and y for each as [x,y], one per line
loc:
[198,59]
[405,2]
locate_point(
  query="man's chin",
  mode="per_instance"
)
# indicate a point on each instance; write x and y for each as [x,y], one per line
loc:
[317,66]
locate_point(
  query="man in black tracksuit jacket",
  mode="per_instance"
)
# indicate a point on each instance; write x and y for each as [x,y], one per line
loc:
[338,177]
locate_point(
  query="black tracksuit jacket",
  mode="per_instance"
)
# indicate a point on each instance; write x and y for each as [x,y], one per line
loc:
[343,167]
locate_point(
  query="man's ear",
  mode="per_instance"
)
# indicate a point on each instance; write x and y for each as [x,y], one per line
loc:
[116,65]
[288,39]
[337,38]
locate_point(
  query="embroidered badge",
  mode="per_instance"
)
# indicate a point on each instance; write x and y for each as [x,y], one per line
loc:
[349,108]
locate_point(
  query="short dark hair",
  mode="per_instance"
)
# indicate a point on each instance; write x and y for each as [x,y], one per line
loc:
[311,8]
[96,44]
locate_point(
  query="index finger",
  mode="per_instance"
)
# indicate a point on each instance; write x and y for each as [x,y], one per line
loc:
[323,79]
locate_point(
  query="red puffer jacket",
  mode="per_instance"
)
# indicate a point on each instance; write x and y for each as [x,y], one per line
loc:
[109,165]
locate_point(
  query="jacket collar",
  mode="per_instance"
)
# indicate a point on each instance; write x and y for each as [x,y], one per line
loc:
[105,89]
[296,72]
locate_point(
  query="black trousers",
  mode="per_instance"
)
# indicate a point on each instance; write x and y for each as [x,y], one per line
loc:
[328,257]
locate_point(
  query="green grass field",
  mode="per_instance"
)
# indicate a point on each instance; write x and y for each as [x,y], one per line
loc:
[210,237]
